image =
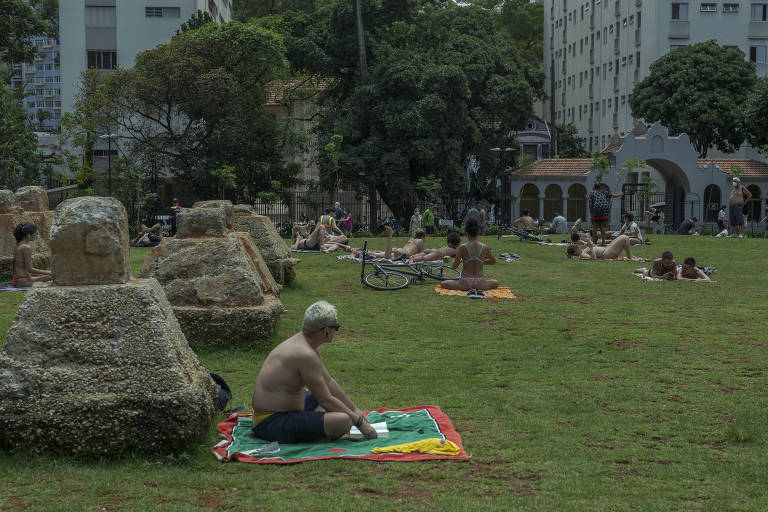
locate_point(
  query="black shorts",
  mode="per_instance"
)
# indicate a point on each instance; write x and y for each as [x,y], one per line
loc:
[736,215]
[293,426]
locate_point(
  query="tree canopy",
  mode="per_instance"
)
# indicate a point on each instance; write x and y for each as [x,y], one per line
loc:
[570,144]
[19,21]
[197,104]
[444,86]
[18,144]
[698,90]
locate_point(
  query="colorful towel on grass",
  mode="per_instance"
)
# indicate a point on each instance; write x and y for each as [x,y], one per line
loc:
[8,287]
[502,292]
[305,250]
[372,259]
[408,425]
[649,278]
[623,258]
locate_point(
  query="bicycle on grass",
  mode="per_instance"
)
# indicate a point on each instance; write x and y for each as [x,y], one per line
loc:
[391,276]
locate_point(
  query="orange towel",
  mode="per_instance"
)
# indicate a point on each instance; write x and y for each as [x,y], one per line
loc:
[502,292]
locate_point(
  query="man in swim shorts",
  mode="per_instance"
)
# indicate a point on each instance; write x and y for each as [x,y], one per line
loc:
[453,240]
[592,252]
[313,242]
[295,398]
[413,246]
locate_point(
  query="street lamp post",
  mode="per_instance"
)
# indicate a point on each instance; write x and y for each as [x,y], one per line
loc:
[109,136]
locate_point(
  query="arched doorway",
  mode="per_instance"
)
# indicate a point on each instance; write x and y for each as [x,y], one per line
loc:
[529,200]
[553,202]
[674,189]
[577,202]
[754,203]
[712,201]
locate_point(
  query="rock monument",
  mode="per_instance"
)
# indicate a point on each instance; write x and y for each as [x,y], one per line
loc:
[273,249]
[29,204]
[96,362]
[221,291]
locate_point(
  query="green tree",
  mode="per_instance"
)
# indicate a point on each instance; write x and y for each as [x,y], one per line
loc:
[244,10]
[197,20]
[755,112]
[18,144]
[570,144]
[225,177]
[198,104]
[698,90]
[600,165]
[20,20]
[443,88]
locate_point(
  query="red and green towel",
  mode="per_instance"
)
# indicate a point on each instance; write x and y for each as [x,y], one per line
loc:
[409,425]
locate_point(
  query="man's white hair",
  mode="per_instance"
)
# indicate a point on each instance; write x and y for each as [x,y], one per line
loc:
[318,315]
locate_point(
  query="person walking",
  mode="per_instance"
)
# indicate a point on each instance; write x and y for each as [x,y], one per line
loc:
[736,200]
[429,221]
[417,222]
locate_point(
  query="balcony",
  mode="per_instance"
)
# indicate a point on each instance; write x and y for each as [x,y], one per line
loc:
[29,72]
[591,90]
[39,84]
[637,76]
[758,29]
[637,37]
[618,8]
[56,108]
[48,96]
[592,21]
[589,126]
[47,46]
[563,100]
[638,3]
[591,55]
[616,83]
[615,120]
[563,68]
[678,29]
[565,39]
[616,46]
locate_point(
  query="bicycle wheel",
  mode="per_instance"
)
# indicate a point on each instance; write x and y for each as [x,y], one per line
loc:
[440,272]
[386,280]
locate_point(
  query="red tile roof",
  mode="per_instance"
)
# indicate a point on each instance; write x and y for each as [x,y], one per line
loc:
[751,168]
[556,167]
[612,148]
[279,91]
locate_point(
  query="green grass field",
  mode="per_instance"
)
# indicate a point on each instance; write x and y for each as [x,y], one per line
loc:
[594,391]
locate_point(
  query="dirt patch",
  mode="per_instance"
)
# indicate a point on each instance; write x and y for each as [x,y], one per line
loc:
[667,462]
[563,424]
[490,321]
[17,504]
[604,377]
[730,391]
[628,343]
[208,500]
[344,288]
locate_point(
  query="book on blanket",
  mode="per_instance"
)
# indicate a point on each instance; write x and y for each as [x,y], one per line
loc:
[381,430]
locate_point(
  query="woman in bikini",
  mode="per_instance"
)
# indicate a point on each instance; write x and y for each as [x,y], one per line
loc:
[474,255]
[24,274]
[592,252]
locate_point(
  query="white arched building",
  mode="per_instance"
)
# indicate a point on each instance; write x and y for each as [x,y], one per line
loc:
[687,185]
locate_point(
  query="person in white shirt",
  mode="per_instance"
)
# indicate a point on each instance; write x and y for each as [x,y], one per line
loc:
[631,229]
[722,218]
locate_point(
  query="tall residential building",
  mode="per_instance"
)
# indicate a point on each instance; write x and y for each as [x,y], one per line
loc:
[41,80]
[104,34]
[596,51]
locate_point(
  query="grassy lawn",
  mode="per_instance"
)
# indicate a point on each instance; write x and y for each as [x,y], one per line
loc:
[594,391]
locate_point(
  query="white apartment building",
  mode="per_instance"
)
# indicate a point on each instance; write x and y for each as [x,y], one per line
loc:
[108,33]
[596,51]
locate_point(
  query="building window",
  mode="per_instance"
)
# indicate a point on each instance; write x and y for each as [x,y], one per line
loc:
[759,12]
[708,7]
[623,61]
[102,60]
[675,46]
[632,19]
[730,8]
[100,17]
[153,12]
[680,11]
[637,59]
[757,54]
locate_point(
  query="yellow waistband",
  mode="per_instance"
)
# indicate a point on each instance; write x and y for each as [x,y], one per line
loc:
[260,416]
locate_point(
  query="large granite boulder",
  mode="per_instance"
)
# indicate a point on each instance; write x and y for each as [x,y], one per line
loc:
[201,223]
[218,285]
[273,249]
[32,199]
[8,202]
[89,241]
[101,368]
[224,204]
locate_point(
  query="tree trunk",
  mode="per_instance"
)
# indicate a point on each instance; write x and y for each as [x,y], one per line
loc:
[373,221]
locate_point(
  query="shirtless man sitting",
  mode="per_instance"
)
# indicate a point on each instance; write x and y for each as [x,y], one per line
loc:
[662,268]
[148,237]
[583,238]
[524,222]
[473,254]
[690,272]
[286,412]
[413,246]
[593,252]
[453,240]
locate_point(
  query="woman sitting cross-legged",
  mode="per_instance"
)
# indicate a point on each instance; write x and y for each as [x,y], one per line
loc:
[473,254]
[24,274]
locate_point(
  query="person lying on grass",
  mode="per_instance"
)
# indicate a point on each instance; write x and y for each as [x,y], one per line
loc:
[662,268]
[413,246]
[313,242]
[473,255]
[452,240]
[583,237]
[688,271]
[295,398]
[148,237]
[593,252]
[24,274]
